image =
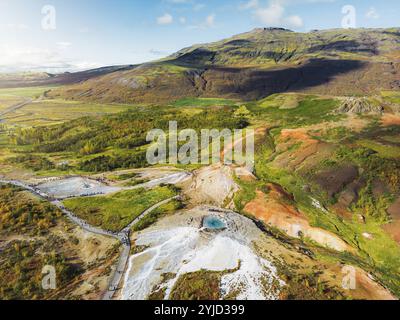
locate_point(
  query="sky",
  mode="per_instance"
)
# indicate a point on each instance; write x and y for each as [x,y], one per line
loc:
[70,35]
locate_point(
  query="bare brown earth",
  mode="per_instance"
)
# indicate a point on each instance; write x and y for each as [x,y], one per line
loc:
[325,272]
[335,179]
[211,185]
[275,210]
[393,228]
[95,253]
[390,120]
[394,210]
[370,289]
[366,288]
[296,148]
[348,196]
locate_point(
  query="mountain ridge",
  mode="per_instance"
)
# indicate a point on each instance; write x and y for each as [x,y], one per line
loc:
[255,64]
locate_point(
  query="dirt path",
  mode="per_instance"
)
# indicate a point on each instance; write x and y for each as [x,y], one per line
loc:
[15,107]
[125,254]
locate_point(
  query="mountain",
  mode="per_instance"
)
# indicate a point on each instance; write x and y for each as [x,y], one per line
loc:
[256,64]
[26,79]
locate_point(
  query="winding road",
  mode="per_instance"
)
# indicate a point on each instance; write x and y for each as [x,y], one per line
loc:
[123,259]
[15,107]
[122,236]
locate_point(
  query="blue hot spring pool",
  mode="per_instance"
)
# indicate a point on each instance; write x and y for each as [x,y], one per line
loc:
[214,223]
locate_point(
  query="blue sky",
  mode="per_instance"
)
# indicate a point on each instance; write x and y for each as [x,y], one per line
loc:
[91,33]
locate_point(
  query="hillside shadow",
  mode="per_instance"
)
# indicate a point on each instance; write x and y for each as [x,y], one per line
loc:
[238,43]
[256,83]
[350,46]
[394,33]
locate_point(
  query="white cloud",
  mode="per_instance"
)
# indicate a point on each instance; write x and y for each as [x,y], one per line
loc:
[165,19]
[251,4]
[372,14]
[273,14]
[17,59]
[210,21]
[182,20]
[293,21]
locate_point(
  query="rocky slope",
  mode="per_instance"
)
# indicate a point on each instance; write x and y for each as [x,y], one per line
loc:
[359,105]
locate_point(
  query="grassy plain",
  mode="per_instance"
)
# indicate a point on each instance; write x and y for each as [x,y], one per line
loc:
[116,211]
[50,112]
[25,92]
[203,102]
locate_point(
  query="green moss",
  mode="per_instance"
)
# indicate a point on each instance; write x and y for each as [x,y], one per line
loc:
[309,111]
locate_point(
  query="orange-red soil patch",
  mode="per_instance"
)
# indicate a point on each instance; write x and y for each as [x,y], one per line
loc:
[276,210]
[394,230]
[394,210]
[306,148]
[370,289]
[390,120]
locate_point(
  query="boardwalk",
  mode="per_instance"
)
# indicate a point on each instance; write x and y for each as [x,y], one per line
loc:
[122,236]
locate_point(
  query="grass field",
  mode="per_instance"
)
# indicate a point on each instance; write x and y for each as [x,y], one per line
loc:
[384,151]
[391,96]
[292,111]
[8,101]
[48,112]
[392,139]
[28,92]
[203,102]
[162,211]
[283,101]
[114,212]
